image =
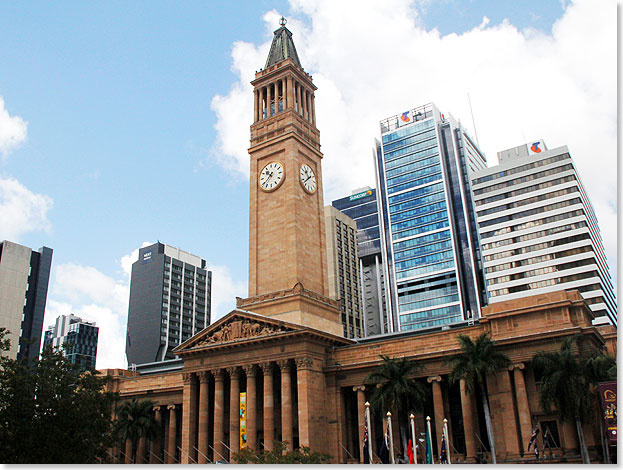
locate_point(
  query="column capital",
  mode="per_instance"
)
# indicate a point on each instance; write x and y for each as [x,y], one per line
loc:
[156,408]
[267,367]
[359,388]
[284,364]
[234,372]
[519,365]
[304,362]
[434,378]
[218,374]
[203,375]
[171,406]
[187,377]
[250,370]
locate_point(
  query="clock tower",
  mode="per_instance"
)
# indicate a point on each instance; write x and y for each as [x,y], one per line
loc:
[287,246]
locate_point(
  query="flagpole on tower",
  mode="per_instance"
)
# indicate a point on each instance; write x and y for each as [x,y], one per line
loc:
[391,436]
[413,442]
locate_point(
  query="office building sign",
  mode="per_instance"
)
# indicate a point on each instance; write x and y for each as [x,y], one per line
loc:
[147,257]
[361,195]
[405,118]
[608,394]
[536,147]
[243,420]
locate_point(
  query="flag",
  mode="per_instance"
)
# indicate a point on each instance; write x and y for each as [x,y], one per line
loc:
[384,452]
[410,451]
[443,455]
[366,450]
[535,433]
[429,446]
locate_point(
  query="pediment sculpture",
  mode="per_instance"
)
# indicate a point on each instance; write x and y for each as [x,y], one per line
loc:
[240,329]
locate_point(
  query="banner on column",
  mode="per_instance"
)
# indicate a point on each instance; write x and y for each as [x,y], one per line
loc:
[608,392]
[243,420]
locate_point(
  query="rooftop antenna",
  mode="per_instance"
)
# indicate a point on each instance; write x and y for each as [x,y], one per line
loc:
[473,122]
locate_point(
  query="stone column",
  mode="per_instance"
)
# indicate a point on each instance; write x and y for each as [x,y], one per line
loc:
[141,451]
[219,414]
[306,397]
[202,444]
[468,423]
[170,457]
[300,99]
[234,409]
[269,423]
[286,403]
[156,443]
[251,372]
[506,412]
[255,93]
[189,415]
[128,451]
[438,406]
[313,109]
[268,99]
[523,406]
[361,421]
[308,103]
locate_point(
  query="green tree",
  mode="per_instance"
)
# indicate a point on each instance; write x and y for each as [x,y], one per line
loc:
[396,391]
[52,412]
[566,377]
[473,364]
[281,454]
[135,420]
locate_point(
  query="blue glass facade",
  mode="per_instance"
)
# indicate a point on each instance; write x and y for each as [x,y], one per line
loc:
[427,237]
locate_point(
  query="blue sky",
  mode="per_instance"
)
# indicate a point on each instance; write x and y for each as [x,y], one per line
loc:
[127,122]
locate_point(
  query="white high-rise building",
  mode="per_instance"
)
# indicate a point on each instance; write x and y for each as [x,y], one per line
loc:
[538,229]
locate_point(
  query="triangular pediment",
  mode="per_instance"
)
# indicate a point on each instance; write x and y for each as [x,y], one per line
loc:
[237,326]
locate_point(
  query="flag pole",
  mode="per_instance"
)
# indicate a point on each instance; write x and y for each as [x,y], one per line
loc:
[445,430]
[412,418]
[430,438]
[391,436]
[369,429]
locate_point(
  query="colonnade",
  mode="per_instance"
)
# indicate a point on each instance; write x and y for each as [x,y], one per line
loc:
[282,94]
[516,431]
[225,436]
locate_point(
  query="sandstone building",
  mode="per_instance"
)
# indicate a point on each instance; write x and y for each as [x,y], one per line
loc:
[284,345]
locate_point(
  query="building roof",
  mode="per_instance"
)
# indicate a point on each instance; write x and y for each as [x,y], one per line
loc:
[282,47]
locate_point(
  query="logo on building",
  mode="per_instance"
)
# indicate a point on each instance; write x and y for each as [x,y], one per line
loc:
[535,147]
[354,197]
[146,257]
[406,117]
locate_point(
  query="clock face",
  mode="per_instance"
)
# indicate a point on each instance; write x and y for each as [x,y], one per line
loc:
[271,176]
[308,178]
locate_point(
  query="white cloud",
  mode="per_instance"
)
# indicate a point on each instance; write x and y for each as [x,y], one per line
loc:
[225,289]
[523,84]
[21,210]
[13,130]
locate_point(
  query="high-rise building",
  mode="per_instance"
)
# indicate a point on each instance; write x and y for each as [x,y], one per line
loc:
[170,292]
[24,277]
[76,338]
[538,229]
[343,269]
[428,233]
[361,206]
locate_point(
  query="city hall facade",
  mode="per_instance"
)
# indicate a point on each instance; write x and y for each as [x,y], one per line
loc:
[281,356]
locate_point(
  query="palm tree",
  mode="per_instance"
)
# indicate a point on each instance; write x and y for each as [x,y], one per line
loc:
[396,391]
[565,383]
[135,420]
[473,364]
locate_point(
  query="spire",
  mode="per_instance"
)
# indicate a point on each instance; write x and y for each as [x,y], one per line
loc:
[282,47]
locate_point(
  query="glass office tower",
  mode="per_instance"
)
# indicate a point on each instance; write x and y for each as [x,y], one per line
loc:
[361,206]
[428,233]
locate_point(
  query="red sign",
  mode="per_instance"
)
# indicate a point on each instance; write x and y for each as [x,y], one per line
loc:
[608,394]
